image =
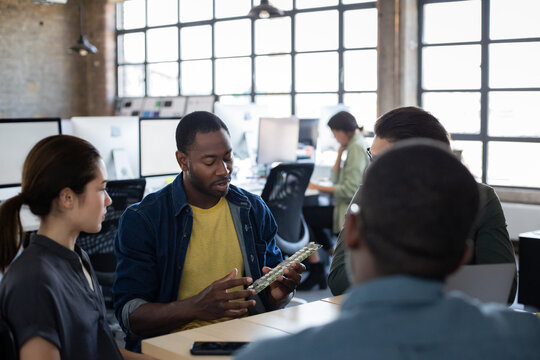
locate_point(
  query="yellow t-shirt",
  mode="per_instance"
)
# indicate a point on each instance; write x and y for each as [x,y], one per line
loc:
[213,252]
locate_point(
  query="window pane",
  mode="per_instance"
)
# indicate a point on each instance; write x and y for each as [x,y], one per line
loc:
[273,73]
[230,8]
[360,70]
[512,164]
[235,100]
[363,107]
[240,31]
[452,22]
[317,72]
[471,156]
[163,79]
[305,4]
[196,42]
[317,31]
[458,112]
[233,76]
[131,80]
[451,67]
[162,44]
[162,12]
[311,105]
[276,105]
[131,48]
[280,4]
[514,113]
[514,19]
[360,28]
[131,15]
[195,10]
[196,77]
[514,65]
[273,35]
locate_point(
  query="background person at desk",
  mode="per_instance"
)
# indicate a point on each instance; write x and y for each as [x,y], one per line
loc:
[180,250]
[50,295]
[400,250]
[346,176]
[491,241]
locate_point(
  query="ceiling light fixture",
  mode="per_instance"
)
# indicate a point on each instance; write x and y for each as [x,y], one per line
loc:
[264,11]
[83,46]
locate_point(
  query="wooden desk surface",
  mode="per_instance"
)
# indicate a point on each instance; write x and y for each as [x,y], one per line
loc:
[335,299]
[176,346]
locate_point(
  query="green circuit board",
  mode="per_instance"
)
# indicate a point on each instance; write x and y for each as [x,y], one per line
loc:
[299,256]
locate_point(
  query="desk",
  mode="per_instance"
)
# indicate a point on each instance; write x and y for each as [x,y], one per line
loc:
[271,324]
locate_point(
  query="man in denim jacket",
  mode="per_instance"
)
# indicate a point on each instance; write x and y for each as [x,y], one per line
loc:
[187,252]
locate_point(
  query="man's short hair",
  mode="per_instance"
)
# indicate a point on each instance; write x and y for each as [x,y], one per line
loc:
[193,123]
[410,122]
[418,207]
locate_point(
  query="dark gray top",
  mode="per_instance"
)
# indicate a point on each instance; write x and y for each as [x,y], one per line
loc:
[45,293]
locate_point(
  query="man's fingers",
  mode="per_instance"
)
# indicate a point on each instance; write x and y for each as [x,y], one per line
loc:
[227,284]
[235,313]
[237,305]
[241,294]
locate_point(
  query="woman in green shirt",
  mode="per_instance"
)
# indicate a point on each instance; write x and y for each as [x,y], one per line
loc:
[346,176]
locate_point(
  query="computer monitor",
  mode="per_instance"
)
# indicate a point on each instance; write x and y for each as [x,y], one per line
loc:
[242,122]
[309,132]
[17,137]
[117,140]
[278,140]
[158,147]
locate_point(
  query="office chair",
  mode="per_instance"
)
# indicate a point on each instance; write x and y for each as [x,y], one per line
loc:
[284,194]
[100,246]
[7,342]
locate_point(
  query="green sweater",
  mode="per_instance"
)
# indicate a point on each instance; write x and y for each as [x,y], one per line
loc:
[491,242]
[348,179]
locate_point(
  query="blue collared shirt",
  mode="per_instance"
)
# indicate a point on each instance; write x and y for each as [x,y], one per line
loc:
[403,317]
[153,238]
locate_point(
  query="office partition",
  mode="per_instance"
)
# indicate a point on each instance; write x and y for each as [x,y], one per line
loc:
[278,140]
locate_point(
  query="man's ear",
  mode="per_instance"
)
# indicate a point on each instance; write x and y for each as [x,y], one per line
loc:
[182,160]
[66,198]
[354,234]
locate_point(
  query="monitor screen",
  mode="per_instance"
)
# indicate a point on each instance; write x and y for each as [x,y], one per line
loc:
[17,137]
[278,140]
[158,147]
[242,122]
[117,140]
[309,132]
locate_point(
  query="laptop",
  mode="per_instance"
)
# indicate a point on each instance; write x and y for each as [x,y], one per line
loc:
[485,282]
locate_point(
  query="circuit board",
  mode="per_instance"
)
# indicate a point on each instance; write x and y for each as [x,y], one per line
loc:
[261,283]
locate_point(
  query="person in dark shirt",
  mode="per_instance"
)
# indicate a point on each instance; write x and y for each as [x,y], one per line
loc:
[49,294]
[491,243]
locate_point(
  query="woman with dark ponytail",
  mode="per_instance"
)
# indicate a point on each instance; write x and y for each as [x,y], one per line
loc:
[346,177]
[49,294]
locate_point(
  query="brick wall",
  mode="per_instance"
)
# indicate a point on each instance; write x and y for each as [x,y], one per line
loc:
[39,76]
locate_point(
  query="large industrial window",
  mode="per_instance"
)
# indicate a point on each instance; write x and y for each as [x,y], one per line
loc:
[480,75]
[321,53]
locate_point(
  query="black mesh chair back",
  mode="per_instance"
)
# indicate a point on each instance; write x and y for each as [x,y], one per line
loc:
[8,346]
[100,246]
[284,194]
